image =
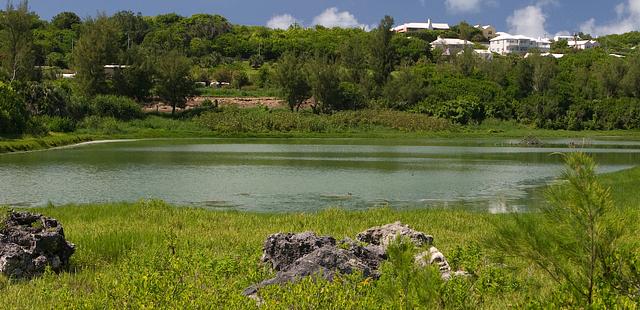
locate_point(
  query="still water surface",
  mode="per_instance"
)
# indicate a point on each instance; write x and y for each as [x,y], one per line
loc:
[295,175]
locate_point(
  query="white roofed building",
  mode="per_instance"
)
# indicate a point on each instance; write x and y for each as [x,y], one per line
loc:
[413,27]
[450,46]
[583,44]
[518,44]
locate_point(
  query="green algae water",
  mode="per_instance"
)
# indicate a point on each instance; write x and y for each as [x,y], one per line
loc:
[297,175]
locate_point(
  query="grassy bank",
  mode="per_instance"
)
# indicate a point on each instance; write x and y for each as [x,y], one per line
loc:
[264,123]
[40,143]
[124,259]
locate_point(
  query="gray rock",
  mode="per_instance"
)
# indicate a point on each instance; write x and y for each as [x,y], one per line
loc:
[295,256]
[325,262]
[434,256]
[31,242]
[281,250]
[384,235]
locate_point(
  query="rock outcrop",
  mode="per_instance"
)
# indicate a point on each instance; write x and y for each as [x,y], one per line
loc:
[29,243]
[294,256]
[282,250]
[385,235]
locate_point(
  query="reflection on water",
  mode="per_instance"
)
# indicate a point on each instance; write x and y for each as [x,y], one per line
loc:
[305,175]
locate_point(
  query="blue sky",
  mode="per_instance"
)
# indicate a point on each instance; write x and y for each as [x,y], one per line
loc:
[528,17]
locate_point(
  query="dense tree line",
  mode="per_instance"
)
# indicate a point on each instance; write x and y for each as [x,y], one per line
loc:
[161,57]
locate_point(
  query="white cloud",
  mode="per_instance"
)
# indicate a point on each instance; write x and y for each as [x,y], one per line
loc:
[283,21]
[462,6]
[627,19]
[529,21]
[332,17]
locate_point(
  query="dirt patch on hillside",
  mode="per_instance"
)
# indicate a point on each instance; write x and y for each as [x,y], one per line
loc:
[241,102]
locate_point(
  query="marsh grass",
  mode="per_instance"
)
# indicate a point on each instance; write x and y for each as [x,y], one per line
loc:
[150,254]
[39,143]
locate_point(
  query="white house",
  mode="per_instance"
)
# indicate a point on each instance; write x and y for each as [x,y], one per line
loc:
[413,27]
[556,56]
[450,46]
[484,54]
[518,44]
[583,44]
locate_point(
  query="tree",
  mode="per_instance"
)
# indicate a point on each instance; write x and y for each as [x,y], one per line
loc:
[173,80]
[573,238]
[136,79]
[631,80]
[16,41]
[131,28]
[96,48]
[381,52]
[13,112]
[323,78]
[290,77]
[66,20]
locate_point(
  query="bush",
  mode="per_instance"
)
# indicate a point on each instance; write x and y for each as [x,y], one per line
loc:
[121,108]
[463,110]
[58,124]
[47,98]
[14,116]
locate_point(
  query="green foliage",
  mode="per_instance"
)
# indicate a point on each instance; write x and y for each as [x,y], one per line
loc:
[65,20]
[382,58]
[173,82]
[121,108]
[290,77]
[16,42]
[262,121]
[13,112]
[575,237]
[96,48]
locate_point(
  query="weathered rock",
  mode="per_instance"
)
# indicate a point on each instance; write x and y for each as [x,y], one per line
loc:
[31,242]
[295,256]
[281,250]
[325,261]
[434,256]
[383,236]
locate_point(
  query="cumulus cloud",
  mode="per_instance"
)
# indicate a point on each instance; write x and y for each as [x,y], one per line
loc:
[283,21]
[462,6]
[627,19]
[529,21]
[332,17]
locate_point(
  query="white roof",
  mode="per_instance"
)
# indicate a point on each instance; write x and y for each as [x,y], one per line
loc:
[446,41]
[582,42]
[556,56]
[485,27]
[422,26]
[505,36]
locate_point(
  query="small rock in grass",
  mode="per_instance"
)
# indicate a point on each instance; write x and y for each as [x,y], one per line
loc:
[29,243]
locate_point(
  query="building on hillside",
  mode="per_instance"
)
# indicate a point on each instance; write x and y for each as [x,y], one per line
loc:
[484,54]
[450,46]
[518,44]
[413,27]
[488,31]
[565,38]
[583,44]
[556,56]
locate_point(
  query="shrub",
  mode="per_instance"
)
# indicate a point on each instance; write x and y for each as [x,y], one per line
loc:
[58,124]
[14,116]
[117,107]
[463,110]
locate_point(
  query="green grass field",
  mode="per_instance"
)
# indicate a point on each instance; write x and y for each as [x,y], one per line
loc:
[124,260]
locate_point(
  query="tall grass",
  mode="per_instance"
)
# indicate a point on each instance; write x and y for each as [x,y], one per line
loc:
[263,120]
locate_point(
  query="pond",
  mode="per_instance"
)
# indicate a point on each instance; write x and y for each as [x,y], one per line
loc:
[283,175]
